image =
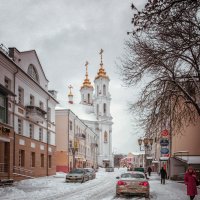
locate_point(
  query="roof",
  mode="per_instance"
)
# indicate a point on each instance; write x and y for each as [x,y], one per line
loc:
[189,159]
[84,112]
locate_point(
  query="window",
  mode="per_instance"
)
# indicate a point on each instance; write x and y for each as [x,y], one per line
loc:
[20,126]
[48,137]
[105,137]
[20,96]
[32,159]
[31,131]
[49,161]
[3,108]
[104,90]
[7,83]
[97,90]
[88,98]
[104,108]
[40,134]
[32,100]
[32,72]
[70,125]
[70,144]
[42,160]
[49,114]
[41,105]
[97,109]
[21,158]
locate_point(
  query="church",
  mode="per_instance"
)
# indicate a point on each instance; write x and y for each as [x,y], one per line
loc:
[94,112]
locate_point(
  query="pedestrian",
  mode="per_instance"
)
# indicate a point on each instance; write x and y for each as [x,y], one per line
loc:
[149,170]
[163,175]
[191,180]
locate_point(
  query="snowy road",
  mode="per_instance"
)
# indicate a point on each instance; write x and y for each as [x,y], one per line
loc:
[102,188]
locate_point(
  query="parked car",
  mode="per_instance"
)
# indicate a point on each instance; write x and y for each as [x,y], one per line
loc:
[91,173]
[77,175]
[109,169]
[132,183]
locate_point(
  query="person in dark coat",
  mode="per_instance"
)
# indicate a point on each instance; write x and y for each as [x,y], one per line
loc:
[149,170]
[163,175]
[190,180]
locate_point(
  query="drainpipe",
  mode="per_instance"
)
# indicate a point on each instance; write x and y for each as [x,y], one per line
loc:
[13,120]
[47,151]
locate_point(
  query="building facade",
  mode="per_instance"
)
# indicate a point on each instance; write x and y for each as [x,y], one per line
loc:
[31,114]
[76,142]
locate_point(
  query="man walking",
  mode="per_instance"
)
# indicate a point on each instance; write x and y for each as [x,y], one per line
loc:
[163,175]
[149,170]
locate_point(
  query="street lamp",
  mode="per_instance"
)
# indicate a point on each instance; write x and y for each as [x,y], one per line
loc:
[148,142]
[73,150]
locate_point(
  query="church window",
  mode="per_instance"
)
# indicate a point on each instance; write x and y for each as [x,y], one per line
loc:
[97,90]
[105,137]
[104,108]
[32,72]
[97,109]
[88,98]
[104,90]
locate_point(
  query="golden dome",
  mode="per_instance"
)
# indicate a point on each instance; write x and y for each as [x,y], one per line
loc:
[86,82]
[101,73]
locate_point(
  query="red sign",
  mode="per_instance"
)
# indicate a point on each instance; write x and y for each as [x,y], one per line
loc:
[165,133]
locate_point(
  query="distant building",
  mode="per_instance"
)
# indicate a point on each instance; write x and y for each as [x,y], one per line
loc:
[27,117]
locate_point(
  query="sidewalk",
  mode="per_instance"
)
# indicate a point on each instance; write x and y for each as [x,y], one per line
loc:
[172,190]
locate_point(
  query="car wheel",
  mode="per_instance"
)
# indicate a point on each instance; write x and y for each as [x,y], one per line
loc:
[83,180]
[147,196]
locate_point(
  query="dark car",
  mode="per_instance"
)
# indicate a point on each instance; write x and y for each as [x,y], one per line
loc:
[77,175]
[91,173]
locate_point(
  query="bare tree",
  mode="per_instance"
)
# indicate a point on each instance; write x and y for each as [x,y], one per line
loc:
[165,49]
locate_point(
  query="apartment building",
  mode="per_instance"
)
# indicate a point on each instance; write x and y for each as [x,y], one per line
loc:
[30,115]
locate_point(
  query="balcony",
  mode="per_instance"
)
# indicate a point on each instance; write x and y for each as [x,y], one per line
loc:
[35,113]
[80,136]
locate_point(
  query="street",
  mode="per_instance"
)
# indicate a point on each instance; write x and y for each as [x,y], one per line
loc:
[101,188]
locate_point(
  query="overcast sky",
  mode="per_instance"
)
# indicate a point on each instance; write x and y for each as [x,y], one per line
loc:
[66,33]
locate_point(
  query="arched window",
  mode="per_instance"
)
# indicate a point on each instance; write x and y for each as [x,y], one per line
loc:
[97,109]
[32,72]
[105,137]
[88,98]
[104,108]
[104,89]
[97,90]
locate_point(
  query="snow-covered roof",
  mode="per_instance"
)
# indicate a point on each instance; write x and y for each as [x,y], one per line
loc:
[137,153]
[84,112]
[189,159]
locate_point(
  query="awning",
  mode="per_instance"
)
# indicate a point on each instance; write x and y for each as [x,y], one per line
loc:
[149,158]
[189,159]
[164,158]
[155,161]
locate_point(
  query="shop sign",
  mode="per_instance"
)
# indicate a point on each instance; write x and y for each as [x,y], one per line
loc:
[164,150]
[165,133]
[164,142]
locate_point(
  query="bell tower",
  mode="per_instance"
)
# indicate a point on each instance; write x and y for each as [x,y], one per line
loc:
[86,89]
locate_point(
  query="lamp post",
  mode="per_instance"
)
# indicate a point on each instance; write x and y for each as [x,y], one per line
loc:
[146,147]
[73,150]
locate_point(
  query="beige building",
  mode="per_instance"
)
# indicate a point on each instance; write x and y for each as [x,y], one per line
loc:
[76,142]
[27,119]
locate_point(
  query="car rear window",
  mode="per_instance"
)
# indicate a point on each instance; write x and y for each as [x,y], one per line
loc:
[77,171]
[129,175]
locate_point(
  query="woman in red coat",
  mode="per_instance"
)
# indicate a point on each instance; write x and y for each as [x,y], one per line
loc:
[190,181]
